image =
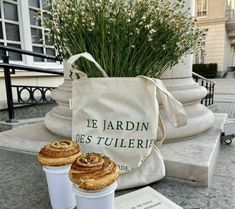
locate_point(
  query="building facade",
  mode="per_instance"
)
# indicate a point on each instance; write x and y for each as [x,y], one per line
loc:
[20,28]
[218,16]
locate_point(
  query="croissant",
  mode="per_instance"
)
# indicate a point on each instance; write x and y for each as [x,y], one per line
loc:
[58,153]
[93,171]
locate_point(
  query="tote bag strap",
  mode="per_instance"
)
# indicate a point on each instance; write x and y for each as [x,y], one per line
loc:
[161,126]
[174,109]
[87,56]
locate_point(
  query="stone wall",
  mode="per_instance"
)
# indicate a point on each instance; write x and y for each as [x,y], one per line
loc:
[218,46]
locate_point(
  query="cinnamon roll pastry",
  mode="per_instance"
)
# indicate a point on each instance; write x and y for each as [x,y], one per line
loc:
[58,153]
[93,171]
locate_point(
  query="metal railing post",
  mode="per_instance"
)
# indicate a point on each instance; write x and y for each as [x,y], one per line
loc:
[210,92]
[213,92]
[10,105]
[209,85]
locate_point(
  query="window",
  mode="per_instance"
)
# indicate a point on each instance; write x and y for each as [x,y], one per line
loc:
[230,9]
[20,28]
[230,4]
[201,8]
[10,27]
[199,57]
[40,42]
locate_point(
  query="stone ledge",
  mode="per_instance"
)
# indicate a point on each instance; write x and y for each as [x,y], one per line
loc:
[28,138]
[194,159]
[4,126]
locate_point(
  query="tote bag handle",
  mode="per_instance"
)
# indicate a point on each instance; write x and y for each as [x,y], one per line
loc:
[174,109]
[161,126]
[87,56]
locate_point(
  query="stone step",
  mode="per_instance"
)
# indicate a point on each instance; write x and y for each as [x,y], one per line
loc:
[26,111]
[4,126]
[192,160]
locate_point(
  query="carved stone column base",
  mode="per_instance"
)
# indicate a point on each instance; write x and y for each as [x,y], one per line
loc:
[59,119]
[200,118]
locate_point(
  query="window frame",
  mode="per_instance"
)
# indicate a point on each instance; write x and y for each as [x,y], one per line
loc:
[201,9]
[4,21]
[25,42]
[230,4]
[43,44]
[200,55]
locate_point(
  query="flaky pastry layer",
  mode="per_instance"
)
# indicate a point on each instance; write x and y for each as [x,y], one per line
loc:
[93,171]
[59,153]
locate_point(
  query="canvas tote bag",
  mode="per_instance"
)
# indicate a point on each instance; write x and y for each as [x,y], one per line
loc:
[119,117]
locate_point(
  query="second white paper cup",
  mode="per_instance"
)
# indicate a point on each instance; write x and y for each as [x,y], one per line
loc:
[97,199]
[60,187]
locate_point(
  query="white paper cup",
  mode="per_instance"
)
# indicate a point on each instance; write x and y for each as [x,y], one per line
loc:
[98,199]
[60,187]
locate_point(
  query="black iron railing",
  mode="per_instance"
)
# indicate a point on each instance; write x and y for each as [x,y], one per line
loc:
[36,94]
[209,85]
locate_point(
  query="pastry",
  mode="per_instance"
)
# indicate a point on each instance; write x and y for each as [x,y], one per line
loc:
[58,153]
[93,171]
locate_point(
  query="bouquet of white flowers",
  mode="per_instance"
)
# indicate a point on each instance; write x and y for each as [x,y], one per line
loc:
[128,38]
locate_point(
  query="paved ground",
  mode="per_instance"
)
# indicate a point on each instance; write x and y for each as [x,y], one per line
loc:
[224,86]
[23,184]
[225,96]
[224,107]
